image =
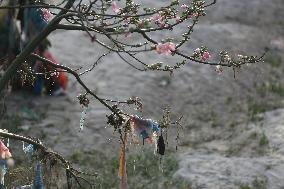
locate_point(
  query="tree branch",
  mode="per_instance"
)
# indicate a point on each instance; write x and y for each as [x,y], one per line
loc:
[32,45]
[77,76]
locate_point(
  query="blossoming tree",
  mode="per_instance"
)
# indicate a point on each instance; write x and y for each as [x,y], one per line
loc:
[111,24]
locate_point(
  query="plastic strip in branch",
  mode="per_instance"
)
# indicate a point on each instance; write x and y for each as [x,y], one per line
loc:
[38,182]
[83,117]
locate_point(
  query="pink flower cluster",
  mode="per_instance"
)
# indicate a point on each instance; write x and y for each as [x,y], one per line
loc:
[184,6]
[205,55]
[165,48]
[46,14]
[115,8]
[197,51]
[178,19]
[158,19]
[4,151]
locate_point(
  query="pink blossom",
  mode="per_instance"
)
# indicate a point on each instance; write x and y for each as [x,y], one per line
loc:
[46,14]
[162,24]
[4,151]
[115,8]
[195,14]
[156,17]
[178,20]
[219,69]
[184,6]
[197,51]
[165,48]
[205,56]
[127,20]
[159,20]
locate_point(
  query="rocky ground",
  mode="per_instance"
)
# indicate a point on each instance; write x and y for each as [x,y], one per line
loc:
[233,134]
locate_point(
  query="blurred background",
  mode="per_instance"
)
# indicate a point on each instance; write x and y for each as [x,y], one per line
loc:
[233,133]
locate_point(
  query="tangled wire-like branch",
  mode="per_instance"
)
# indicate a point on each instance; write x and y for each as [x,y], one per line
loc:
[46,152]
